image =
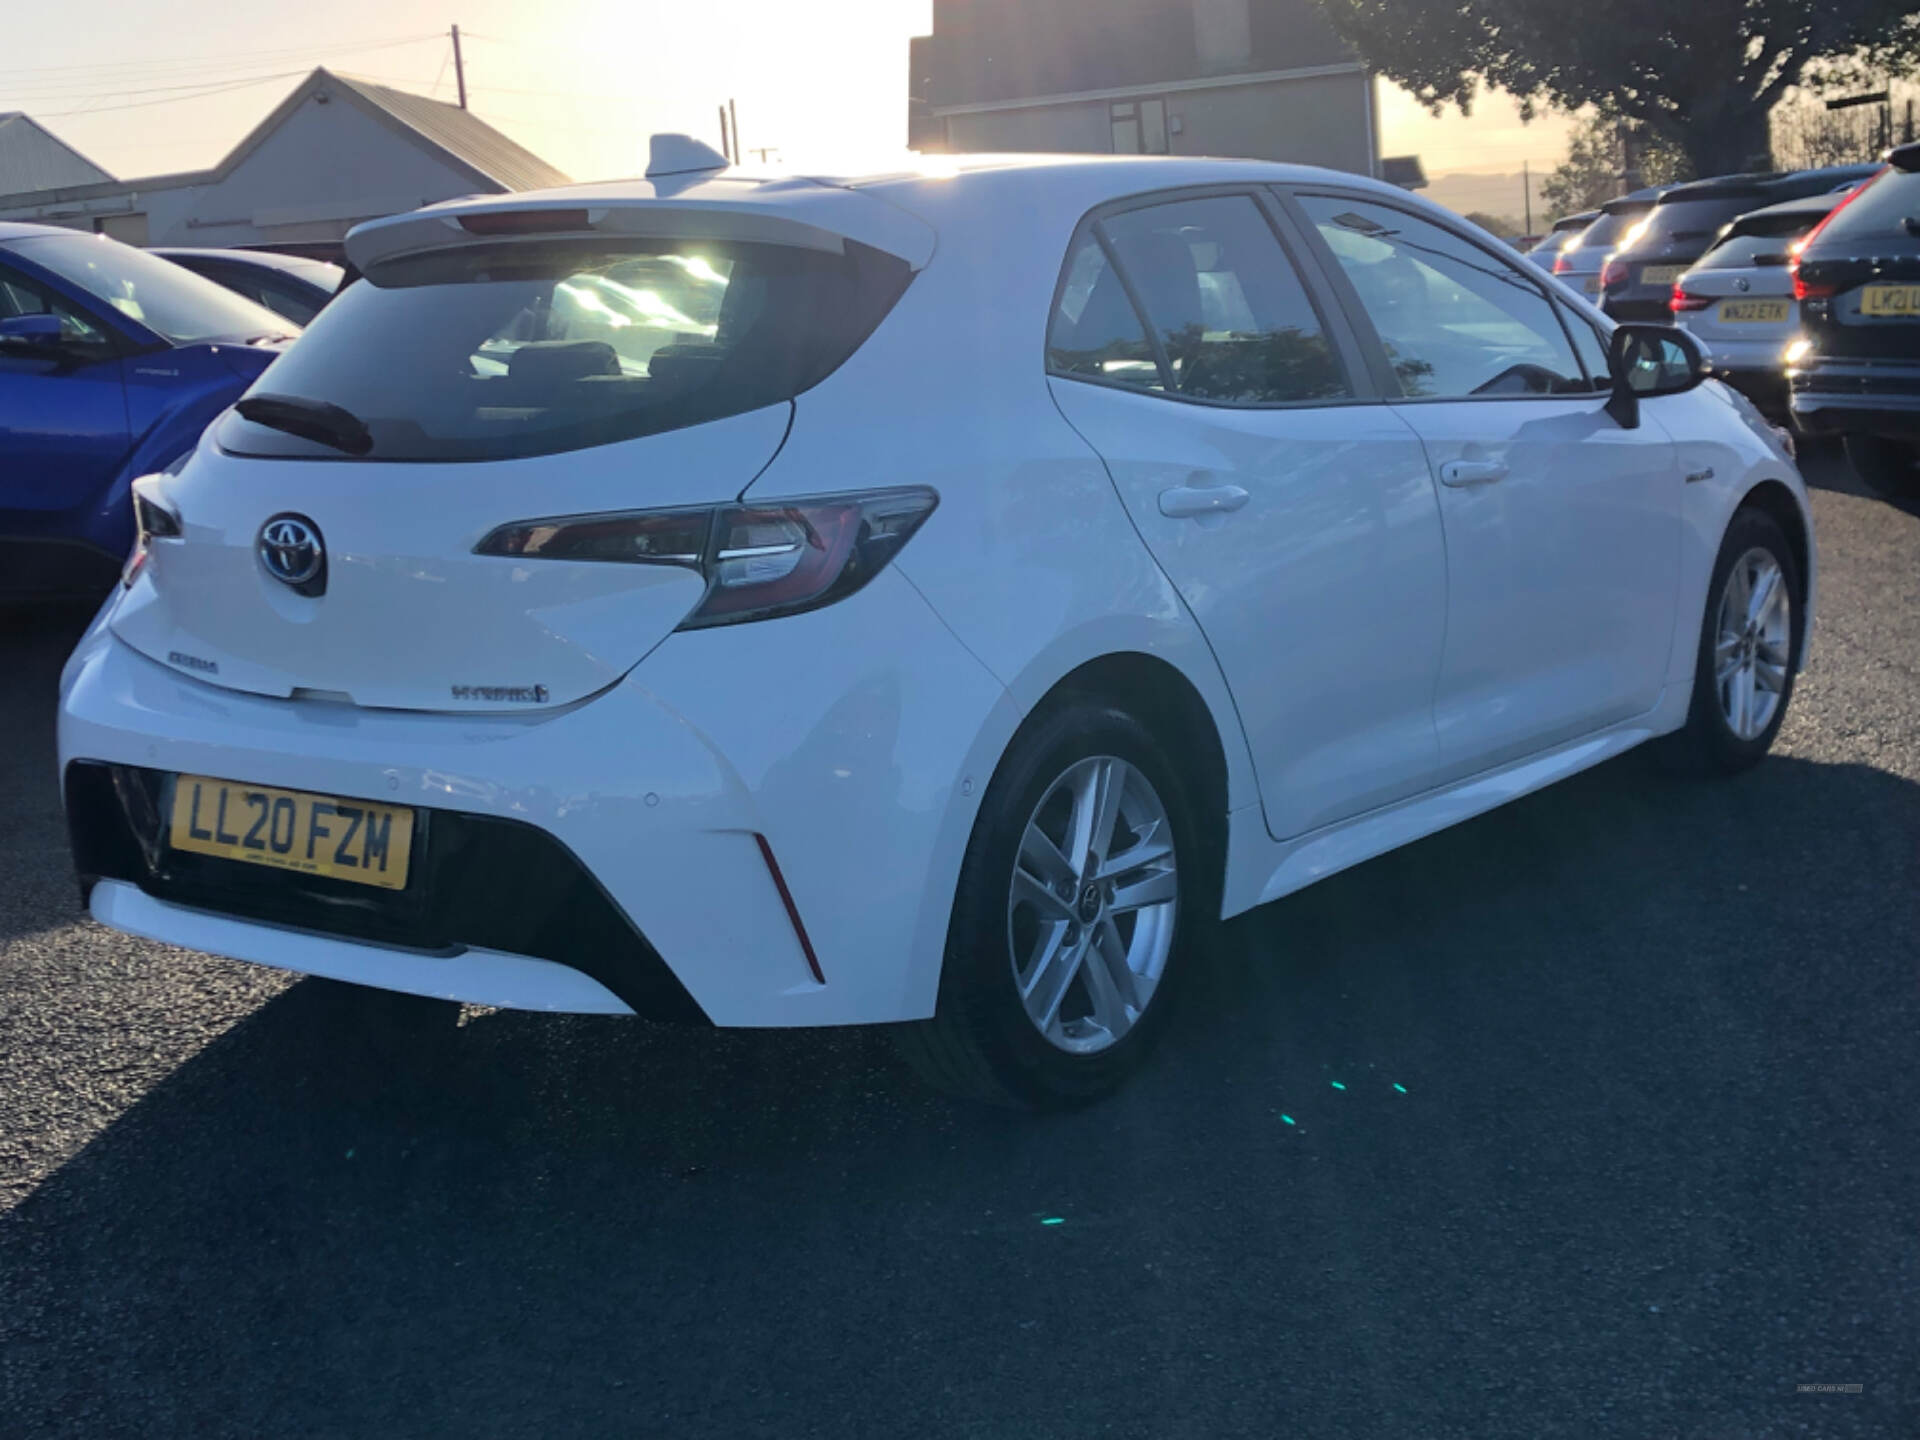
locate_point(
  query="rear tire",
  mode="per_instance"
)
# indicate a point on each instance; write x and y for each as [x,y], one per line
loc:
[1746,664]
[1889,468]
[1134,910]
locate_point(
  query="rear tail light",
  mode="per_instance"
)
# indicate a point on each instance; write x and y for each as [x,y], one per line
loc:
[1613,275]
[1562,263]
[1816,291]
[1682,300]
[759,560]
[152,520]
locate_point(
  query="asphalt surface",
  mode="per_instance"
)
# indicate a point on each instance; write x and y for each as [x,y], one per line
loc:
[1655,1166]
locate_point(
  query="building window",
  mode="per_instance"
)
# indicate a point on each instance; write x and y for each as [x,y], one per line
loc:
[1139,128]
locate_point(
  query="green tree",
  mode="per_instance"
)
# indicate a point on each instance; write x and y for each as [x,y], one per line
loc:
[1591,174]
[1701,75]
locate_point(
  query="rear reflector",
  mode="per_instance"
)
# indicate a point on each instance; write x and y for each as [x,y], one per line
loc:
[524,222]
[793,911]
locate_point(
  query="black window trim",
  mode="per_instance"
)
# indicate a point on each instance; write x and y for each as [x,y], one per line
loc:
[1374,348]
[1348,351]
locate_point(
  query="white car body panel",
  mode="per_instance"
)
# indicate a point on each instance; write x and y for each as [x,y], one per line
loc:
[858,739]
[1562,573]
[1343,517]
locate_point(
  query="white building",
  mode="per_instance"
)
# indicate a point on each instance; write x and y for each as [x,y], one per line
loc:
[333,153]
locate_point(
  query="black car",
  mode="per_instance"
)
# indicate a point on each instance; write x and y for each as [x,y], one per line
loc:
[1638,280]
[1857,370]
[288,285]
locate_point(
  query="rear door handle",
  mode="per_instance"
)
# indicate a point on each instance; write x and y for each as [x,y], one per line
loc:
[1184,502]
[1462,473]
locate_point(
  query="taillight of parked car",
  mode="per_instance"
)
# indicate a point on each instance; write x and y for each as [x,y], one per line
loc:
[1613,275]
[759,560]
[1814,290]
[1682,300]
[1562,263]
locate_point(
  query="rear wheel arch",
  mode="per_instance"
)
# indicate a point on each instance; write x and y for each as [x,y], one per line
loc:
[1159,695]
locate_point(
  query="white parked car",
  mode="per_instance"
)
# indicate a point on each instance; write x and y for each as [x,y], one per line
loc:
[1738,298]
[991,580]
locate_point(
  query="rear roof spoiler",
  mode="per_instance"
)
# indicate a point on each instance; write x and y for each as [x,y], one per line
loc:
[1904,158]
[804,213]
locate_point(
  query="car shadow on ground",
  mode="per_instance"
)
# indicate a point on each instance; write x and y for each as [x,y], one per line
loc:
[1547,1115]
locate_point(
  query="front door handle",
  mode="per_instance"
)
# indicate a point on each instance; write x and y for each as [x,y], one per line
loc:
[1462,473]
[1184,502]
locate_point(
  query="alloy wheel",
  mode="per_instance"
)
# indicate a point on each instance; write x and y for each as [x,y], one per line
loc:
[1753,642]
[1092,905]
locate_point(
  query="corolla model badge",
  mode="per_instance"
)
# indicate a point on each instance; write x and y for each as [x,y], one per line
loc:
[291,550]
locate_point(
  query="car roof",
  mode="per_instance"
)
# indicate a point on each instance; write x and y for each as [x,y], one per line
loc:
[22,230]
[1575,222]
[265,259]
[1814,205]
[886,210]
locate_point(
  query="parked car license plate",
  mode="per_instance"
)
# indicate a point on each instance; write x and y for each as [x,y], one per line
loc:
[1748,312]
[1899,302]
[352,840]
[1661,274]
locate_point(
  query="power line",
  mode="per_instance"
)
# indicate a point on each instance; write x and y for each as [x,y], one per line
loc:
[172,99]
[246,58]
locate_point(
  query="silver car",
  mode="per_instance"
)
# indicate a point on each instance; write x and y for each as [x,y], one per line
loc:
[1738,297]
[1565,231]
[1580,260]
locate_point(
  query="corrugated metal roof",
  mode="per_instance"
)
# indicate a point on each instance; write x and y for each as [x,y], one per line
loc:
[33,159]
[463,135]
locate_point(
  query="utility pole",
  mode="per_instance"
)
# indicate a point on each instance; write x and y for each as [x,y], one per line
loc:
[1526,184]
[459,69]
[733,123]
[1906,137]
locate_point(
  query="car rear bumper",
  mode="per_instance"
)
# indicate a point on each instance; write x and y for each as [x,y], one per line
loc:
[624,852]
[1648,311]
[1857,397]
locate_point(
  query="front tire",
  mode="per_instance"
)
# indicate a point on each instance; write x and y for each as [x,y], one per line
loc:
[1085,892]
[1889,468]
[1751,640]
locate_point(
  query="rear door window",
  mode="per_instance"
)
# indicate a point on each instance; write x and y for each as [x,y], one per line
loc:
[1231,314]
[528,348]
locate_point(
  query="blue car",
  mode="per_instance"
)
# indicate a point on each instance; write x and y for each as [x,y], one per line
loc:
[111,364]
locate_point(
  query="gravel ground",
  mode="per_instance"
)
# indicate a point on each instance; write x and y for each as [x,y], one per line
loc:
[1627,1146]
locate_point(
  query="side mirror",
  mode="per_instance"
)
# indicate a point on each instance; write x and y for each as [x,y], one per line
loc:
[1648,361]
[31,332]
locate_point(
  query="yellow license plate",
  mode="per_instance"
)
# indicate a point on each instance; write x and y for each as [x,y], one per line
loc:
[1749,312]
[1593,285]
[1893,302]
[291,830]
[1661,274]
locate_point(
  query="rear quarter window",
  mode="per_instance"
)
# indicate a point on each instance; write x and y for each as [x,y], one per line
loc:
[529,348]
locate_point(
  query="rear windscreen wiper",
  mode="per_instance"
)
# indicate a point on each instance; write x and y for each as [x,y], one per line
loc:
[316,420]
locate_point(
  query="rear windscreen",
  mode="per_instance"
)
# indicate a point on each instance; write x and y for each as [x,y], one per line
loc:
[1745,252]
[528,348]
[1607,229]
[1880,211]
[1693,222]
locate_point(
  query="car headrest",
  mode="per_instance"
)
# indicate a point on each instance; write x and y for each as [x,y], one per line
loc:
[553,362]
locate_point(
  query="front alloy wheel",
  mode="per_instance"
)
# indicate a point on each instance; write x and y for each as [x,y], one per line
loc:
[1749,646]
[1755,645]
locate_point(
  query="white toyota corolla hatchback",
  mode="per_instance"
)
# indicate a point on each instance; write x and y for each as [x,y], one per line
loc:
[925,598]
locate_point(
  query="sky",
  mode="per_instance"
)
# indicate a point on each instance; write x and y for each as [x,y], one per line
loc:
[582,83]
